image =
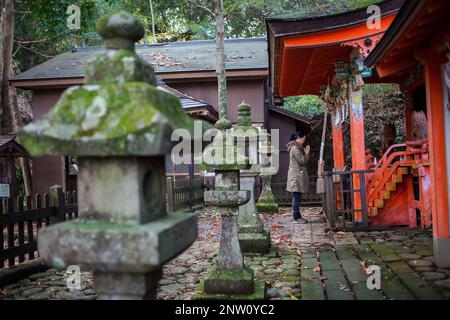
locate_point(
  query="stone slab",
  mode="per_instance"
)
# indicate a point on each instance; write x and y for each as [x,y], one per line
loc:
[399,267]
[259,293]
[344,252]
[385,252]
[363,293]
[254,242]
[312,290]
[353,269]
[419,287]
[328,261]
[336,287]
[103,246]
[229,281]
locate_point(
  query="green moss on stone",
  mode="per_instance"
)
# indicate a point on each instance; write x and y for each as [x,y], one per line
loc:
[259,293]
[121,119]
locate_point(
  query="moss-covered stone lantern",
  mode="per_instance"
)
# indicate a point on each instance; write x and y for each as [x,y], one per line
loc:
[229,278]
[253,238]
[266,202]
[119,126]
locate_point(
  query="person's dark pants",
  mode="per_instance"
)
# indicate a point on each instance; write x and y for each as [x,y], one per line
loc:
[296,199]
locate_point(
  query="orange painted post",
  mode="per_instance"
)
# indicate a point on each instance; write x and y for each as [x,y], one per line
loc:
[338,150]
[338,143]
[438,167]
[358,145]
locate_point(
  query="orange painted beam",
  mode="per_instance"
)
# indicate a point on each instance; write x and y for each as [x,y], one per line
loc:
[338,36]
[391,68]
[436,137]
[302,70]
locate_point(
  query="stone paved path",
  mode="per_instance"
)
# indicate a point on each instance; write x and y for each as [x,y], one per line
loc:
[304,263]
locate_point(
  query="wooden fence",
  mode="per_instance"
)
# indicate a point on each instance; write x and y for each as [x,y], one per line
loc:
[21,218]
[184,194]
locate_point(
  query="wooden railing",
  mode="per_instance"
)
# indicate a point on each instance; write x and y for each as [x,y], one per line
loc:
[391,161]
[339,203]
[21,218]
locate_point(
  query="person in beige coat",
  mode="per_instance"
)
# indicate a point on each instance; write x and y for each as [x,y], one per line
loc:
[298,179]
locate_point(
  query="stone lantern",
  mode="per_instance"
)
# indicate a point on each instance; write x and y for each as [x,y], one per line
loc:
[253,238]
[119,126]
[230,278]
[266,202]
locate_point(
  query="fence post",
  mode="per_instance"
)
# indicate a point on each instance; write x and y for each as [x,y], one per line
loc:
[329,200]
[190,194]
[169,190]
[57,201]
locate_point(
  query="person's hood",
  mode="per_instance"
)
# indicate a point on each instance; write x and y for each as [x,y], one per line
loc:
[292,144]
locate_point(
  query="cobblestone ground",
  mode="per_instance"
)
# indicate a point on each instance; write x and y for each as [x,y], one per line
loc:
[304,263]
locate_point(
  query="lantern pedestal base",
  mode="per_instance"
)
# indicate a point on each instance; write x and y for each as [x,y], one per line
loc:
[255,242]
[267,207]
[222,281]
[259,293]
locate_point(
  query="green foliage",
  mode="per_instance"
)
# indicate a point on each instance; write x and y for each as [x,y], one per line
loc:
[41,25]
[306,105]
[383,104]
[41,28]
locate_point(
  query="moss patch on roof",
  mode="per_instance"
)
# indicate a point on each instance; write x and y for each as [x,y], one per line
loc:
[321,8]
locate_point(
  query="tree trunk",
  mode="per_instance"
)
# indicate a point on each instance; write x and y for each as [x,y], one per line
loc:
[2,6]
[223,123]
[11,119]
[8,42]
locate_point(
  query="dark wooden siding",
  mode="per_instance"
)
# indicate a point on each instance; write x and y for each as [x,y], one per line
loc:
[252,91]
[286,127]
[47,171]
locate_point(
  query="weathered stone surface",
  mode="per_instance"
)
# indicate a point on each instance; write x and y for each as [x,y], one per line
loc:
[259,293]
[107,246]
[227,281]
[433,276]
[226,198]
[409,256]
[230,256]
[420,263]
[255,242]
[443,283]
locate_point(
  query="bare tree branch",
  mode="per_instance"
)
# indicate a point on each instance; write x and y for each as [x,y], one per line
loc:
[211,12]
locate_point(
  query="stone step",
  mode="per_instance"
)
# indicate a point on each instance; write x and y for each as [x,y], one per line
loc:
[312,290]
[328,261]
[400,267]
[344,253]
[366,253]
[354,271]
[419,287]
[363,293]
[386,253]
[336,287]
[392,287]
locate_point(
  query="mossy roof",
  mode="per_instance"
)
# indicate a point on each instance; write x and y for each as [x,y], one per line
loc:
[187,56]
